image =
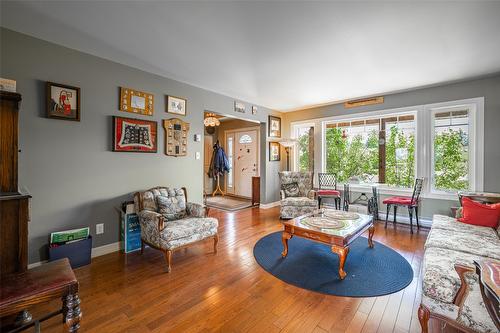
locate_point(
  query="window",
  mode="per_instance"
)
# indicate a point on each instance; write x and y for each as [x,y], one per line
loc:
[245,138]
[450,158]
[230,175]
[304,157]
[380,149]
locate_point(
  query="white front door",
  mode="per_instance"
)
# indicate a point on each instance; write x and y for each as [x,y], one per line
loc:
[245,157]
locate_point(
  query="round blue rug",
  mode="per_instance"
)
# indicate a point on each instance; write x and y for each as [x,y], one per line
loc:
[311,265]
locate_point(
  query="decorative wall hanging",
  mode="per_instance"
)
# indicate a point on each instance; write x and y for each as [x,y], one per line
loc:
[239,107]
[176,137]
[134,135]
[274,127]
[136,101]
[274,151]
[62,101]
[176,105]
[363,102]
[254,109]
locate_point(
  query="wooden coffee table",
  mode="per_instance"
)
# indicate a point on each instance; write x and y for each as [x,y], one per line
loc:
[335,228]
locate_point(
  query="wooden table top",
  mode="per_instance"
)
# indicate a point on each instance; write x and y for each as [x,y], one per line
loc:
[345,228]
[39,280]
[490,275]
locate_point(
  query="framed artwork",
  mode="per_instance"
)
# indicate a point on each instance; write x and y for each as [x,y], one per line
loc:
[136,101]
[239,107]
[176,105]
[63,101]
[274,151]
[274,127]
[254,109]
[134,135]
[176,137]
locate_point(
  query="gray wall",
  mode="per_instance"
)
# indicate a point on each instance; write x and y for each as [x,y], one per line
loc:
[489,88]
[69,168]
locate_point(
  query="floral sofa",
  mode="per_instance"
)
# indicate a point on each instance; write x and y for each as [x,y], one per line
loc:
[451,291]
[305,202]
[169,222]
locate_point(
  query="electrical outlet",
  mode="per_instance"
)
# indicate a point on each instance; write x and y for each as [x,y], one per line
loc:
[197,155]
[99,228]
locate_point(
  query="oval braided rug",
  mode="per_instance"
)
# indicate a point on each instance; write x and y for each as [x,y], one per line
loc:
[313,266]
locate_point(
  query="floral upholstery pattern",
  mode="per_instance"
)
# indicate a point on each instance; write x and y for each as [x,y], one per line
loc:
[440,280]
[184,222]
[452,224]
[464,242]
[451,242]
[172,207]
[305,202]
[473,313]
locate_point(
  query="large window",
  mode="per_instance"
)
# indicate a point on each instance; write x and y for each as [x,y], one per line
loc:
[378,149]
[304,157]
[450,150]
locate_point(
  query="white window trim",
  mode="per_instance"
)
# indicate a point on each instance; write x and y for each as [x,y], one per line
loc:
[423,131]
[476,144]
[294,127]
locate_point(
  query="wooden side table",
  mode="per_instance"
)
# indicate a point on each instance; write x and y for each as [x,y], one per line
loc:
[39,285]
[489,282]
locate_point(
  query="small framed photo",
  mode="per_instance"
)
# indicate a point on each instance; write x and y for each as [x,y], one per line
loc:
[274,151]
[134,135]
[239,107]
[274,127]
[176,105]
[254,109]
[63,101]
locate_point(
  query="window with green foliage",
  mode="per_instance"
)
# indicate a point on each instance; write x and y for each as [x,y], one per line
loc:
[451,150]
[372,150]
[303,160]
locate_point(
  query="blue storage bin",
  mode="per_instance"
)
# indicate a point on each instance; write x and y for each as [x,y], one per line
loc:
[78,253]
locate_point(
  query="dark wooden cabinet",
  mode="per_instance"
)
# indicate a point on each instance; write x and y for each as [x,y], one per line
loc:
[14,206]
[255,190]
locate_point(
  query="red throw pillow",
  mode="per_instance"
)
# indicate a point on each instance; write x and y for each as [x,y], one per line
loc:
[480,214]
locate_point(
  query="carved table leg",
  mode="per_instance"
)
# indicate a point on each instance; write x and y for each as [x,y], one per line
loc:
[73,315]
[423,317]
[371,231]
[285,236]
[342,252]
[142,246]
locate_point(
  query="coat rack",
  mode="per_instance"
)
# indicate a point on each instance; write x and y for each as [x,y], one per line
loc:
[219,165]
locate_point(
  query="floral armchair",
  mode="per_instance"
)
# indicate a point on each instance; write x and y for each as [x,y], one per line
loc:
[169,222]
[303,200]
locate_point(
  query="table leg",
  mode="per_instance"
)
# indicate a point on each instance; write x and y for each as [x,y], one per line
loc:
[371,231]
[285,236]
[342,252]
[73,313]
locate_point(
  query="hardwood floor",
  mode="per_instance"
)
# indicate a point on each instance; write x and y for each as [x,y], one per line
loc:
[230,292]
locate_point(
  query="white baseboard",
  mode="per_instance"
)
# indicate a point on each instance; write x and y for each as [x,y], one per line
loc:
[96,252]
[405,219]
[269,205]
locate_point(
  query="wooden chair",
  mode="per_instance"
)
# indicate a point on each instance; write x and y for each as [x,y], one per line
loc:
[328,188]
[410,202]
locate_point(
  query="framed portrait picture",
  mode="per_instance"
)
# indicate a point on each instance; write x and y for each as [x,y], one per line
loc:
[274,151]
[134,135]
[63,101]
[176,105]
[239,107]
[274,127]
[136,101]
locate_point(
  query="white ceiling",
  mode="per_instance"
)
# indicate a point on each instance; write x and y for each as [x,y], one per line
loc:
[282,55]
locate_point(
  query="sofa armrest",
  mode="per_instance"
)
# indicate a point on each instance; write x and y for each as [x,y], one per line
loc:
[282,195]
[311,194]
[196,210]
[151,219]
[462,270]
